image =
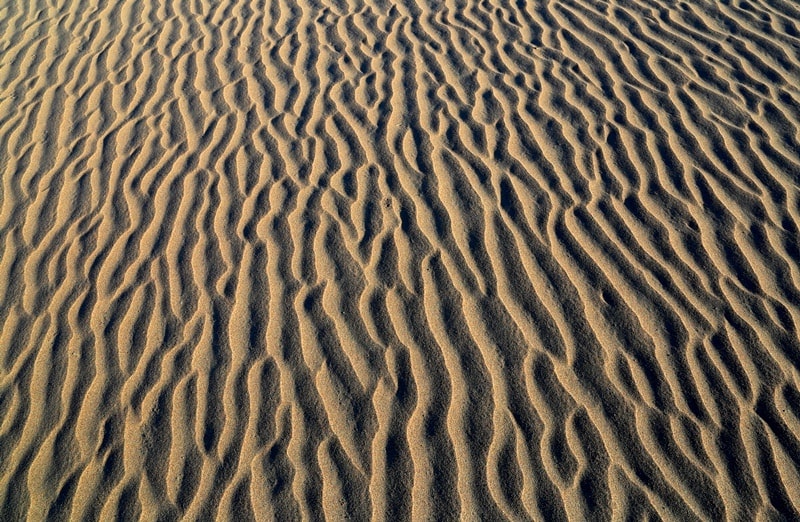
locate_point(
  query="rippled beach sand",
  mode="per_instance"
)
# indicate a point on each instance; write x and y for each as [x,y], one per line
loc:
[412,260]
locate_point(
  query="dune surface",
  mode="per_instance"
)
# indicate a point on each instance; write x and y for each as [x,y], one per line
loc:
[399,260]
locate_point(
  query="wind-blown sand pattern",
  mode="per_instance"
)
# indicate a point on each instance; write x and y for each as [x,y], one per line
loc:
[430,260]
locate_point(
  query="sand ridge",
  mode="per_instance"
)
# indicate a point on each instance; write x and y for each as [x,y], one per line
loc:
[425,259]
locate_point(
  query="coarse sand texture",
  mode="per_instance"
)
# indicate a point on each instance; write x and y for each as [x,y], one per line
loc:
[395,260]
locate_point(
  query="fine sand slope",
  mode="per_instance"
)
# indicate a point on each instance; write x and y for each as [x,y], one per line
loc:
[423,259]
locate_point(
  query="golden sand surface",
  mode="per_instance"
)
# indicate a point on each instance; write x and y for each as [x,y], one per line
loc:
[399,260]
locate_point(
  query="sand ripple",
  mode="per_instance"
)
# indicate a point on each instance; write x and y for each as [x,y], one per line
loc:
[425,259]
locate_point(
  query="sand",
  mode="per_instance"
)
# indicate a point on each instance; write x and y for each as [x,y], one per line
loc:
[414,260]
